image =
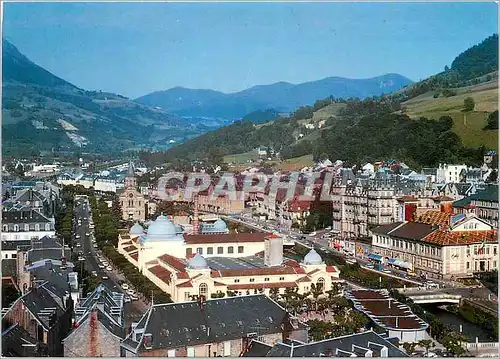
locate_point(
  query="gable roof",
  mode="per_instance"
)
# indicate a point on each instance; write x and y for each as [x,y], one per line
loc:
[176,325]
[17,342]
[41,303]
[369,340]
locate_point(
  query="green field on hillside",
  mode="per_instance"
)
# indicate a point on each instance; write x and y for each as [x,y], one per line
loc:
[471,130]
[241,158]
[328,111]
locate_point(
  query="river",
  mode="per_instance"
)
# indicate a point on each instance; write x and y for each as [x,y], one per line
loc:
[471,330]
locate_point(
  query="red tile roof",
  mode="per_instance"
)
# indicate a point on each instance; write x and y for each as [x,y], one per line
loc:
[303,279]
[135,256]
[173,262]
[408,199]
[219,284]
[448,238]
[434,217]
[224,238]
[130,249]
[187,284]
[182,275]
[161,273]
[261,285]
[331,269]
[291,263]
[443,198]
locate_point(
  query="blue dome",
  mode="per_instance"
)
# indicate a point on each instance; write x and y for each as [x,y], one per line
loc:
[220,226]
[136,230]
[197,262]
[312,258]
[162,227]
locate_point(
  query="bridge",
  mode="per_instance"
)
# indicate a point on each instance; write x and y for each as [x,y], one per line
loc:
[425,298]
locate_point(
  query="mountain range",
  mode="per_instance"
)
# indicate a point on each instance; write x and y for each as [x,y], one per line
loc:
[42,112]
[280,96]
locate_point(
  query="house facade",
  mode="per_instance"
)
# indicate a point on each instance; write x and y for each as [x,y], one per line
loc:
[438,245]
[211,328]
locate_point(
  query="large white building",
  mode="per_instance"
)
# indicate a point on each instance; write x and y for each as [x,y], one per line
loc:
[219,264]
[26,225]
[449,173]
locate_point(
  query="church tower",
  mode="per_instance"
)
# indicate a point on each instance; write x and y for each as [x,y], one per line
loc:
[130,181]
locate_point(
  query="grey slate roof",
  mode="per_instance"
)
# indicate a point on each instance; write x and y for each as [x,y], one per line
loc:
[109,306]
[179,324]
[9,268]
[329,347]
[23,217]
[257,349]
[12,245]
[17,342]
[42,305]
[386,228]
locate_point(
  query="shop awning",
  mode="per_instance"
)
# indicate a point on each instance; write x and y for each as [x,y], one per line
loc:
[402,264]
[375,256]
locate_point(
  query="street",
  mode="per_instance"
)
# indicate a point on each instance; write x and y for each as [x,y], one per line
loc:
[134,310]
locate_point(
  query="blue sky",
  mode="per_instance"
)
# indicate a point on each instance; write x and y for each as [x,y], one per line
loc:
[137,48]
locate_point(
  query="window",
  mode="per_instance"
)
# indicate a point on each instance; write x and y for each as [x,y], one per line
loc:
[187,296]
[14,255]
[203,290]
[16,228]
[220,250]
[266,279]
[495,251]
[488,250]
[47,226]
[236,280]
[468,252]
[199,250]
[282,278]
[210,250]
[230,250]
[26,227]
[5,228]
[321,284]
[494,264]
[252,280]
[189,251]
[240,249]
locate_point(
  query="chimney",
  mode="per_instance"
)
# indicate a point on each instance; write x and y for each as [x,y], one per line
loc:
[389,304]
[397,322]
[196,216]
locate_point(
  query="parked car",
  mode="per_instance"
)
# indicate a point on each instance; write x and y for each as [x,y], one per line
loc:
[81,259]
[386,271]
[94,273]
[78,245]
[109,268]
[104,277]
[101,266]
[134,297]
[312,234]
[125,286]
[127,299]
[130,292]
[369,265]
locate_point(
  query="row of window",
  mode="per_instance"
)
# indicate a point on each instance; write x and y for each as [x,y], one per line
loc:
[210,250]
[408,246]
[26,227]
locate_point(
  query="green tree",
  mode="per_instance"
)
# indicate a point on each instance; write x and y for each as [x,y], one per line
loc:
[409,347]
[469,104]
[427,344]
[452,341]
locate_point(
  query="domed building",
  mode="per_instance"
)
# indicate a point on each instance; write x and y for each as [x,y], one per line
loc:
[216,262]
